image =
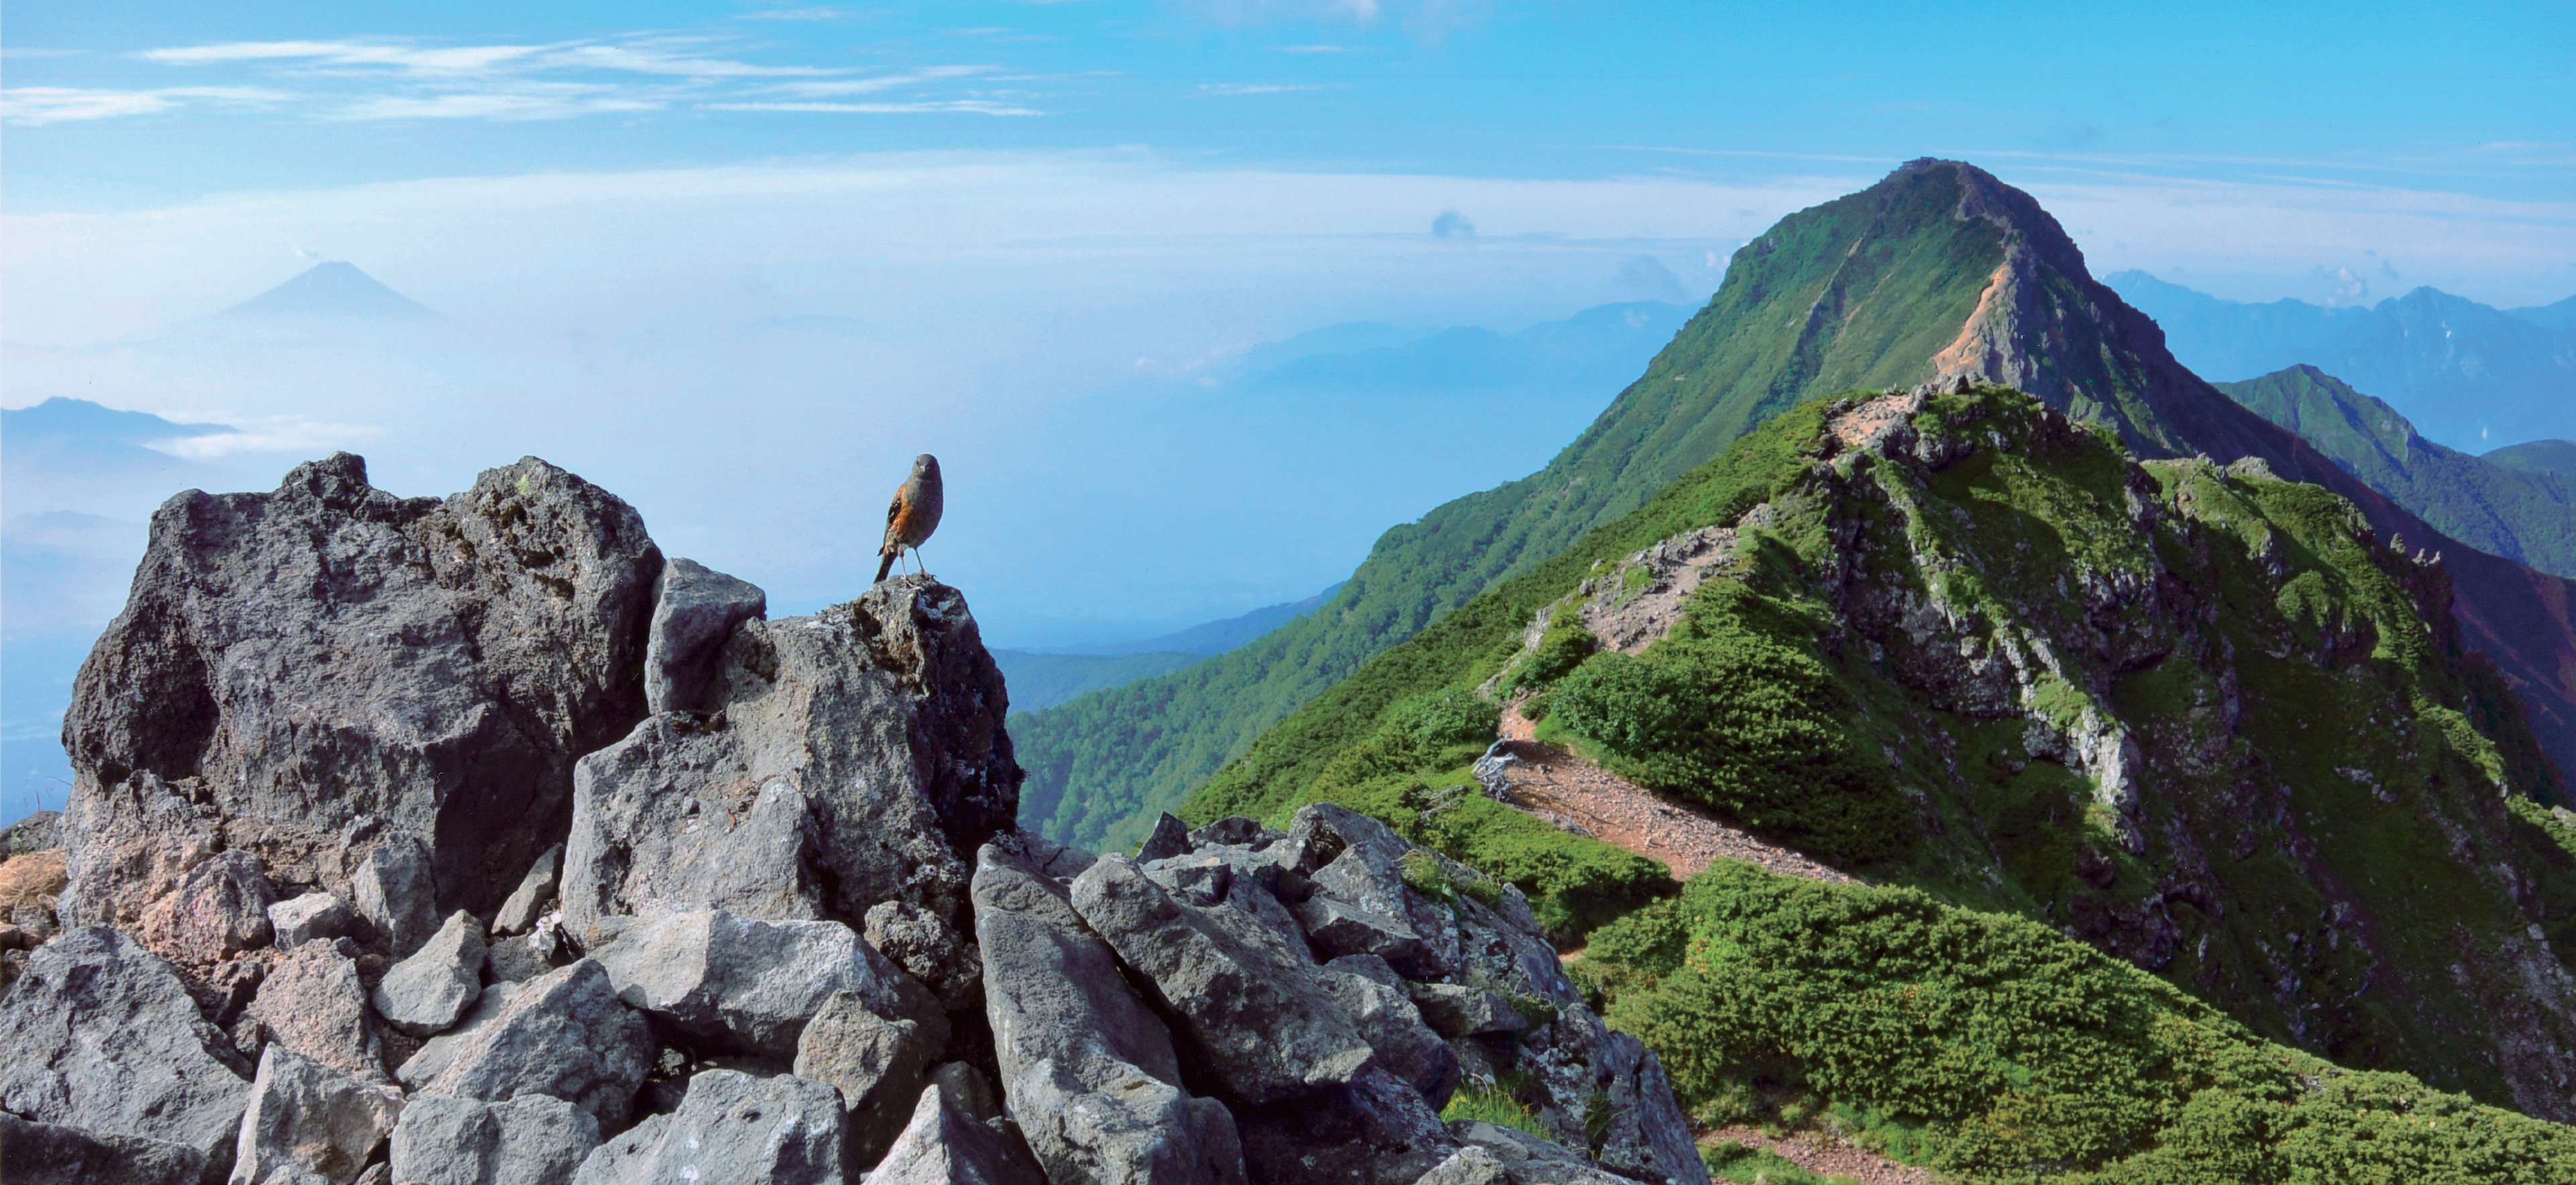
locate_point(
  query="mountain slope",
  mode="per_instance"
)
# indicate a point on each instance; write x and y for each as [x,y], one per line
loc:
[2538,456]
[1039,680]
[2465,372]
[1937,270]
[2197,716]
[331,290]
[2523,516]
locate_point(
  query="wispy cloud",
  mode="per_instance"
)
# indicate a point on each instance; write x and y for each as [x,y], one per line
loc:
[527,102]
[1264,88]
[878,83]
[36,105]
[396,55]
[924,107]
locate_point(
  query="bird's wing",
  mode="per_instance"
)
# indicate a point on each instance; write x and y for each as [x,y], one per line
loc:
[894,509]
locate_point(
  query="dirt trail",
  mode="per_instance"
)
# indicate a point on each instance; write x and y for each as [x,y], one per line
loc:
[1582,797]
[1819,1153]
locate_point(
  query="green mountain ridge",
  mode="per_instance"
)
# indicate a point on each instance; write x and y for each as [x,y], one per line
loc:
[2538,456]
[2520,514]
[1937,271]
[2195,717]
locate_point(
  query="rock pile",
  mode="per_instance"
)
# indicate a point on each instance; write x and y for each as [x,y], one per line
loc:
[469,841]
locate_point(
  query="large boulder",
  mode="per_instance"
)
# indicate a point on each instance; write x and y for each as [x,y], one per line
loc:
[308,1120]
[564,1034]
[875,1061]
[299,670]
[1372,1130]
[1088,1072]
[54,1154]
[311,1002]
[731,1129]
[217,909]
[530,1140]
[859,752]
[943,1144]
[424,994]
[397,892]
[694,610]
[748,985]
[101,1034]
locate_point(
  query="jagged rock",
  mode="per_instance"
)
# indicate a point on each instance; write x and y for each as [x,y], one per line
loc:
[747,985]
[53,1154]
[1361,904]
[535,889]
[312,915]
[1237,831]
[1269,1031]
[874,1061]
[306,1118]
[523,957]
[1459,1010]
[424,994]
[326,661]
[38,832]
[530,1140]
[1371,994]
[101,1034]
[1239,889]
[943,1143]
[1088,1073]
[564,1034]
[311,1002]
[967,1090]
[397,893]
[926,947]
[1469,1165]
[1372,1129]
[694,610]
[1171,837]
[730,1127]
[1529,1160]
[218,909]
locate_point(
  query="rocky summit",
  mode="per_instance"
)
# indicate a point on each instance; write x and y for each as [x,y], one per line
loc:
[472,840]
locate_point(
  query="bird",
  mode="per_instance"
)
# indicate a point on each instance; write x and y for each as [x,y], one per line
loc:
[913,514]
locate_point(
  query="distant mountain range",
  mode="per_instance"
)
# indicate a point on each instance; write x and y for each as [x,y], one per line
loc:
[2467,374]
[62,432]
[331,290]
[1044,678]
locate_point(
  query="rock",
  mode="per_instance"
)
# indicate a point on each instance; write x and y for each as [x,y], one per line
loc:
[41,831]
[731,1127]
[1529,1160]
[327,663]
[424,994]
[1088,1072]
[861,751]
[524,957]
[967,1089]
[312,915]
[874,1061]
[306,1117]
[101,1034]
[1457,1010]
[943,1143]
[52,1154]
[535,890]
[926,947]
[1371,1129]
[1373,997]
[1236,831]
[218,908]
[30,885]
[1270,1032]
[1171,837]
[746,985]
[1361,904]
[564,1034]
[1467,1166]
[311,1002]
[694,611]
[396,893]
[529,1140]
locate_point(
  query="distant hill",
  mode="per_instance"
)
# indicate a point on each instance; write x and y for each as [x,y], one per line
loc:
[61,432]
[2520,514]
[1044,680]
[2538,456]
[331,290]
[1217,637]
[2465,373]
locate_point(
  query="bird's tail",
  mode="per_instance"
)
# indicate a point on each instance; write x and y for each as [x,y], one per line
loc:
[885,565]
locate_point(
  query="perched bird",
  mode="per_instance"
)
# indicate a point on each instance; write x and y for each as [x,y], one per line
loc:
[913,515]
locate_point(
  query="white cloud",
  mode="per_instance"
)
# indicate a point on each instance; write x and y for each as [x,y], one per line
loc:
[285,434]
[839,87]
[37,105]
[540,103]
[398,55]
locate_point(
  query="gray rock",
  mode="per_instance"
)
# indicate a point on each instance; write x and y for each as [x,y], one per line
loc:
[535,890]
[101,1034]
[1361,904]
[330,663]
[52,1154]
[1171,837]
[1088,1072]
[313,915]
[1529,1160]
[38,832]
[424,994]
[523,957]
[564,1034]
[861,751]
[1372,1129]
[311,1002]
[397,894]
[748,985]
[1370,994]
[1458,1010]
[529,1140]
[694,611]
[967,1089]
[217,909]
[1469,1165]
[1270,1032]
[730,1128]
[1237,831]
[874,1061]
[926,947]
[942,1143]
[306,1118]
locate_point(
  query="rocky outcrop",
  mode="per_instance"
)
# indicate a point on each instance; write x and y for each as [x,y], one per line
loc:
[723,899]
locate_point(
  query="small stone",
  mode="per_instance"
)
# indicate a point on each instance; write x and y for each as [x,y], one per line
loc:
[535,890]
[873,1061]
[731,1129]
[1457,1010]
[313,915]
[943,1143]
[424,994]
[396,893]
[311,1002]
[1171,837]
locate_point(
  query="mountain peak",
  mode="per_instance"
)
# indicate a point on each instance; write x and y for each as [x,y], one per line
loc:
[334,289]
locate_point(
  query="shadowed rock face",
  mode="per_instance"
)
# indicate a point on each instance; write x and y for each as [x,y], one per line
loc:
[299,671]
